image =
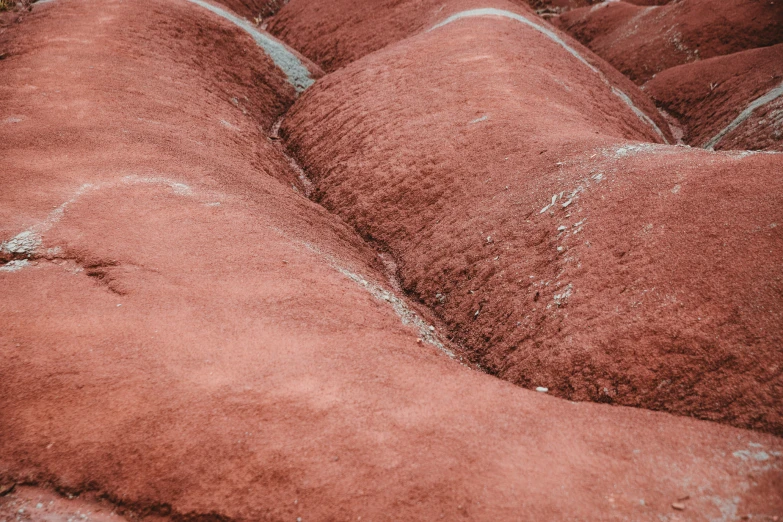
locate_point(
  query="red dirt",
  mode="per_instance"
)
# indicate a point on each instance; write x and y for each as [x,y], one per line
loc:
[671,306]
[762,131]
[334,33]
[546,8]
[642,41]
[251,9]
[319,29]
[707,95]
[195,340]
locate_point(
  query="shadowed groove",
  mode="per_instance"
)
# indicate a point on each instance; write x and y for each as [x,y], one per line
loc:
[744,115]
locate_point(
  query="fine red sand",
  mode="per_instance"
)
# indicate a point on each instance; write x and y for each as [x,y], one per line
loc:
[763,130]
[643,41]
[648,281]
[707,95]
[705,66]
[188,337]
[334,33]
[253,9]
[249,8]
[547,8]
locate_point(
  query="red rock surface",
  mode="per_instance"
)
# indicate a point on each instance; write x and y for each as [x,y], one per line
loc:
[643,41]
[763,130]
[706,96]
[550,8]
[334,33]
[649,281]
[319,29]
[712,65]
[184,336]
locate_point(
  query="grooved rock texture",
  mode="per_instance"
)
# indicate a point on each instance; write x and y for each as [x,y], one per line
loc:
[558,252]
[706,96]
[715,70]
[549,7]
[252,9]
[334,33]
[320,27]
[642,41]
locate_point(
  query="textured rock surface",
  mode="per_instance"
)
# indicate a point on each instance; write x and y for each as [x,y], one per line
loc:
[706,96]
[185,336]
[641,41]
[333,33]
[569,257]
[718,71]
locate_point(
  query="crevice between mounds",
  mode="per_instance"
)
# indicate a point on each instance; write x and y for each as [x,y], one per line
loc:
[412,311]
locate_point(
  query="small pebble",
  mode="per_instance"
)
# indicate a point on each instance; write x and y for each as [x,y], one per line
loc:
[39,505]
[432,328]
[418,341]
[542,389]
[678,506]
[561,228]
[560,249]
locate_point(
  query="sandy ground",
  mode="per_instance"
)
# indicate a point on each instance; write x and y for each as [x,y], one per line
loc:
[186,336]
[718,71]
[560,253]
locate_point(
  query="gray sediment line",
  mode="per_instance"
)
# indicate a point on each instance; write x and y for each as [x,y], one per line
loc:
[744,115]
[28,242]
[297,74]
[489,11]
